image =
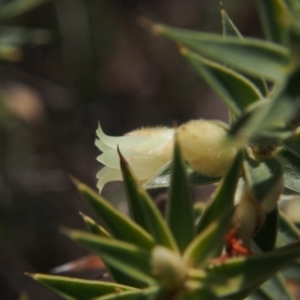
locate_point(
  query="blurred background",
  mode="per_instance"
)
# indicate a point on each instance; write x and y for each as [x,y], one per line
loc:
[65,65]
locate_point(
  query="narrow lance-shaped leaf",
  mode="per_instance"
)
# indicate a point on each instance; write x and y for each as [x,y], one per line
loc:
[288,231]
[144,294]
[14,8]
[263,58]
[179,214]
[94,227]
[226,279]
[259,295]
[264,177]
[277,288]
[292,143]
[274,288]
[163,178]
[223,198]
[143,210]
[234,89]
[118,225]
[276,20]
[285,104]
[229,29]
[127,263]
[80,289]
[291,167]
[209,243]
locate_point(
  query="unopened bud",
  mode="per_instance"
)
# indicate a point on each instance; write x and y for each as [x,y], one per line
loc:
[202,144]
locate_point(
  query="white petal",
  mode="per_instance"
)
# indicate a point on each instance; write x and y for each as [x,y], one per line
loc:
[102,146]
[106,175]
[124,141]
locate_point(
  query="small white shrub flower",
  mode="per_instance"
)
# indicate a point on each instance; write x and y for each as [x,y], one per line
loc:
[145,149]
[148,149]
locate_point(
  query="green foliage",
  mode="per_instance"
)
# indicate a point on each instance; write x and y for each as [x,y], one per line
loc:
[180,256]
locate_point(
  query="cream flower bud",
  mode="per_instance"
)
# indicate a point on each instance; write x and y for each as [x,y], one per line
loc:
[202,146]
[146,151]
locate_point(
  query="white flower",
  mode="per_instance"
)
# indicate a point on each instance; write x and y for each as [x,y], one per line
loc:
[146,150]
[149,149]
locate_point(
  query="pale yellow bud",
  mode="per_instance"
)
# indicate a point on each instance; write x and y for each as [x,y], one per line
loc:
[202,144]
[146,150]
[168,267]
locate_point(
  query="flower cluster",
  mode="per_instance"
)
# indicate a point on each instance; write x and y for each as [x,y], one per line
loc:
[147,150]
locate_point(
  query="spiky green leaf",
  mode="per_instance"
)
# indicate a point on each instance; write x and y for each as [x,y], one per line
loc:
[179,213]
[237,277]
[291,167]
[276,20]
[127,263]
[80,289]
[234,89]
[143,210]
[229,29]
[263,58]
[94,227]
[264,177]
[118,225]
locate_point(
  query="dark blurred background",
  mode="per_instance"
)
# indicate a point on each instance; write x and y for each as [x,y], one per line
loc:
[98,65]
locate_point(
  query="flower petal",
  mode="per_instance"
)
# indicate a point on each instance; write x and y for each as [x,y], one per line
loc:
[106,175]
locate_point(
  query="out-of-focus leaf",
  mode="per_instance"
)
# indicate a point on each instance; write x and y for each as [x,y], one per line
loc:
[263,58]
[267,235]
[269,114]
[229,29]
[288,231]
[293,144]
[223,198]
[199,208]
[143,209]
[234,89]
[276,288]
[163,178]
[127,263]
[144,294]
[237,277]
[94,227]
[118,225]
[276,20]
[80,289]
[259,295]
[179,212]
[12,38]
[14,8]
[198,291]
[209,243]
[264,179]
[291,167]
